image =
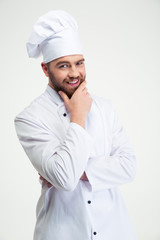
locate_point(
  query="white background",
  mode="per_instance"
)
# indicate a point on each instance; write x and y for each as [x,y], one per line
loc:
[122,48]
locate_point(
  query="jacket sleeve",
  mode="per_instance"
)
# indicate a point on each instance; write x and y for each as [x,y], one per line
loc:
[118,167]
[60,163]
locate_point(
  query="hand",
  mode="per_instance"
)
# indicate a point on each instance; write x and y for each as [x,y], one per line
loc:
[79,105]
[44,181]
[84,177]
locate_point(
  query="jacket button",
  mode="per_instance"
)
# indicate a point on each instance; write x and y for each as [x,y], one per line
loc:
[64,114]
[95,233]
[89,202]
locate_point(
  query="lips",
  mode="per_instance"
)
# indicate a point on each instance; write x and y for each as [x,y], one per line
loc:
[74,82]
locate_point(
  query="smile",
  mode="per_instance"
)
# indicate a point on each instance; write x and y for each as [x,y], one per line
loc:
[73,83]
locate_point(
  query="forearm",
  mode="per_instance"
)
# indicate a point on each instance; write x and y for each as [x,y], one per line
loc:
[60,163]
[78,120]
[107,172]
[117,164]
[44,181]
[66,166]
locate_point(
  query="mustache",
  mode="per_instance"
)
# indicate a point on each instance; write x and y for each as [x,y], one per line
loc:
[81,78]
[73,78]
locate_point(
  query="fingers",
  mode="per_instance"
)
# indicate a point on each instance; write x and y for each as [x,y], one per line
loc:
[85,90]
[49,185]
[84,177]
[82,86]
[41,177]
[64,97]
[45,181]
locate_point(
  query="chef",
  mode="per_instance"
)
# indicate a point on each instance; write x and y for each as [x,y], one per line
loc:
[76,143]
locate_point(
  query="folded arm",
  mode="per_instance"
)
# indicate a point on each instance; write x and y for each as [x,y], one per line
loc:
[116,168]
[60,163]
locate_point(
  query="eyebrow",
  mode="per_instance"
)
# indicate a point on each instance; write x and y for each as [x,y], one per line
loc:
[63,62]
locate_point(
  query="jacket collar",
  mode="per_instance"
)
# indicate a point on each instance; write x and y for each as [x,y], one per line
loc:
[54,96]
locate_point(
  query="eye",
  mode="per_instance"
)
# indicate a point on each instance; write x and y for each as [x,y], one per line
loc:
[80,63]
[63,66]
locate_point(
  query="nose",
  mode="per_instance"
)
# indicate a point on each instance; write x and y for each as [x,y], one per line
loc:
[73,72]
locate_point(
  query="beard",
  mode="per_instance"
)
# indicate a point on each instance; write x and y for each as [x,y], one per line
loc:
[63,86]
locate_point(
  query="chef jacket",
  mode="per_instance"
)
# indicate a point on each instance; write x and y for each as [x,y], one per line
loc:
[61,151]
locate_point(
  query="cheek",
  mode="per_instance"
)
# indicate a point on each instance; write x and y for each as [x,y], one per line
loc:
[83,73]
[60,76]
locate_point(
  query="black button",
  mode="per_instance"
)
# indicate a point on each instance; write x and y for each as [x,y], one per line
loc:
[94,233]
[89,202]
[64,114]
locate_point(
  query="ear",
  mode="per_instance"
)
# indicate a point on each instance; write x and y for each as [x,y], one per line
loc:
[45,69]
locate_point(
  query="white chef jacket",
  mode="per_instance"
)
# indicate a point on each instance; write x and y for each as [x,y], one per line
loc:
[61,151]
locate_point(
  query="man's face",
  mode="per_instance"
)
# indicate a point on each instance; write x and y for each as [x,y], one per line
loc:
[66,73]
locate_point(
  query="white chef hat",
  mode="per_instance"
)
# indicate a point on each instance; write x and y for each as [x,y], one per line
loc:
[54,35]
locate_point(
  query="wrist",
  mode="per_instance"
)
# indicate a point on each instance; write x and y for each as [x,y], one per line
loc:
[78,120]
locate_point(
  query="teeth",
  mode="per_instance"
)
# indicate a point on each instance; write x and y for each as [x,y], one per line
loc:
[74,81]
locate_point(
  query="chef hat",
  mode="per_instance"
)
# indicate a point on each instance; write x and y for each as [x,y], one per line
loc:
[54,35]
